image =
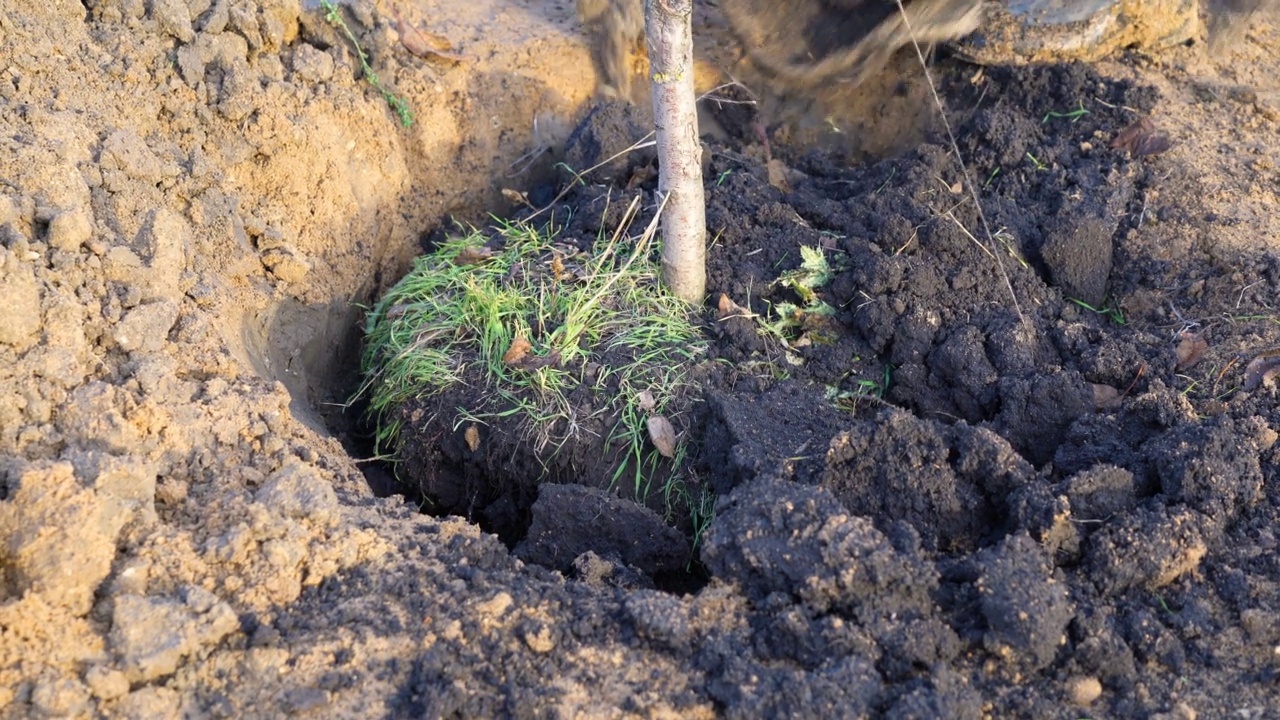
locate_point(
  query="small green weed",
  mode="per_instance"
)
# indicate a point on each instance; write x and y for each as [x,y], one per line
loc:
[1073,116]
[861,390]
[1114,314]
[398,104]
[793,324]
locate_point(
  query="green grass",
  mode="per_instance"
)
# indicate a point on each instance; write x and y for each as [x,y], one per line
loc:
[1114,314]
[1073,116]
[596,320]
[398,105]
[860,389]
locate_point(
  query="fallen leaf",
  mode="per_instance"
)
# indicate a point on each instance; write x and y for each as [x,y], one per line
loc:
[663,435]
[428,46]
[641,175]
[1128,136]
[645,401]
[517,197]
[472,256]
[533,362]
[1262,370]
[472,436]
[1105,397]
[1152,145]
[728,308]
[515,354]
[1190,348]
[1141,139]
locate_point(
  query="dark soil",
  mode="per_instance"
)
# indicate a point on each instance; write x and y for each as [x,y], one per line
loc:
[1020,489]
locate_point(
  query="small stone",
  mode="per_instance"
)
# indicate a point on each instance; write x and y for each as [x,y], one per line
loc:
[1084,690]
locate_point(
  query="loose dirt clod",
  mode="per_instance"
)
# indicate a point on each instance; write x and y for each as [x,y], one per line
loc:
[1084,691]
[1190,348]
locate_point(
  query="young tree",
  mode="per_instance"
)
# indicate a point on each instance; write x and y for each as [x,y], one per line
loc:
[669,32]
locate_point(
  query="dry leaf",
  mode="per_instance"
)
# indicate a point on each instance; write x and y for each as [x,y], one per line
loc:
[472,256]
[517,197]
[428,46]
[472,436]
[1125,139]
[1190,348]
[641,175]
[1105,397]
[1152,145]
[645,401]
[1141,139]
[663,435]
[728,308]
[533,362]
[557,267]
[515,354]
[1262,370]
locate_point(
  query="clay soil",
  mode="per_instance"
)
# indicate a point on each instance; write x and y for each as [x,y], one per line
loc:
[964,494]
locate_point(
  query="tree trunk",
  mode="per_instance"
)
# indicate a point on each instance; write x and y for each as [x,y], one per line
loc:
[669,29]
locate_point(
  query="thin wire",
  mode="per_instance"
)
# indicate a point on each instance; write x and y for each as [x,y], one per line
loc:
[964,170]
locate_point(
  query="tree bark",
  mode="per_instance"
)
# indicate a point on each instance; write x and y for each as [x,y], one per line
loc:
[669,30]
